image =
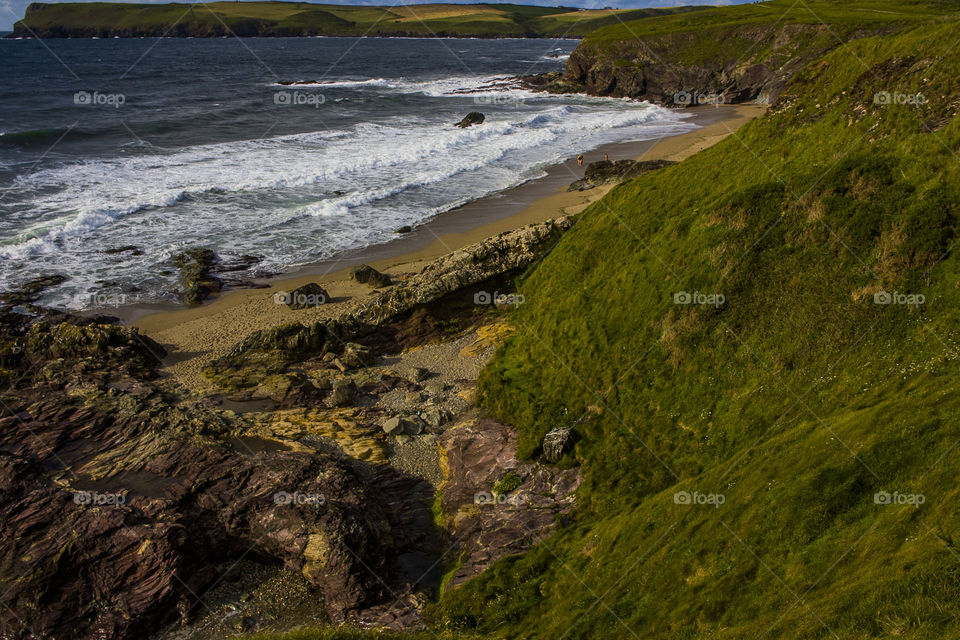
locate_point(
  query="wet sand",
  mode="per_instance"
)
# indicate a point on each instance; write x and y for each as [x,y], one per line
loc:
[194,336]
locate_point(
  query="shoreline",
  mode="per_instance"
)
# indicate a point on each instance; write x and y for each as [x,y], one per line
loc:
[195,335]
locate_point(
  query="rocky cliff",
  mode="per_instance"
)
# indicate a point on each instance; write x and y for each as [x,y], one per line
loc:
[733,55]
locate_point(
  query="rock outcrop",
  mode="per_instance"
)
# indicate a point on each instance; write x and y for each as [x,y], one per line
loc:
[273,350]
[196,280]
[366,274]
[750,61]
[502,254]
[123,498]
[30,291]
[308,296]
[479,462]
[658,68]
[556,443]
[472,118]
[551,82]
[612,171]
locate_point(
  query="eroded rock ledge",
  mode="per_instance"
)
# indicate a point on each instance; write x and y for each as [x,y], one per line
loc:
[272,350]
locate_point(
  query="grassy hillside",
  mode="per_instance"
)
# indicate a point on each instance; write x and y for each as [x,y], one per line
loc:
[746,52]
[844,14]
[106,19]
[797,399]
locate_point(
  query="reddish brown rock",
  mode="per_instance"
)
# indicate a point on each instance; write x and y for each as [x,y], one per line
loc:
[477,455]
[120,500]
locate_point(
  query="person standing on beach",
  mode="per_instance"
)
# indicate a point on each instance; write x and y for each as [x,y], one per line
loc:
[606,157]
[580,160]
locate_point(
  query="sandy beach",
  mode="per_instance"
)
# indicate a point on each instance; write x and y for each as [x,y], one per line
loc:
[194,336]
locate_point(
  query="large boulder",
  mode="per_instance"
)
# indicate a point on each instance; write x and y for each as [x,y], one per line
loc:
[366,274]
[309,296]
[556,443]
[613,171]
[472,118]
[357,356]
[344,392]
[196,279]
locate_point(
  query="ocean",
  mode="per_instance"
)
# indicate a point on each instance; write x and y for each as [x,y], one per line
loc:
[117,154]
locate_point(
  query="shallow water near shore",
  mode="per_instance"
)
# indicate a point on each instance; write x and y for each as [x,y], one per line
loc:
[291,150]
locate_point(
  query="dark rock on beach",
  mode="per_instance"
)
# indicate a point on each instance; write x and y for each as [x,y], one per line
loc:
[308,296]
[472,118]
[366,274]
[612,171]
[196,279]
[30,291]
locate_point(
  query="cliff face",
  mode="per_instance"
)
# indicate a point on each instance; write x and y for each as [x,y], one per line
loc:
[730,64]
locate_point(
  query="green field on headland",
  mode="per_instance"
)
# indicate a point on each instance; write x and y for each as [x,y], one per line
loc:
[108,19]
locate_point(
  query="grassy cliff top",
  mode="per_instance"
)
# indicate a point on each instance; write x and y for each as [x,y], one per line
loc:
[303,18]
[848,13]
[773,31]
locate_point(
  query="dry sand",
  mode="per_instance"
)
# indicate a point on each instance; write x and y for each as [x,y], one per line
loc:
[195,336]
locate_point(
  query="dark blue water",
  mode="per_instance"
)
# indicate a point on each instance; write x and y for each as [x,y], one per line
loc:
[169,143]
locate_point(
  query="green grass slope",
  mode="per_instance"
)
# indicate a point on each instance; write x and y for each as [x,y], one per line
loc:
[107,19]
[797,399]
[847,15]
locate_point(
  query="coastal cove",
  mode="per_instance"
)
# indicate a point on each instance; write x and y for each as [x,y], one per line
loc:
[209,331]
[650,334]
[287,154]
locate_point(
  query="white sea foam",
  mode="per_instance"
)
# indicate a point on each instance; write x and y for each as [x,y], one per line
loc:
[298,198]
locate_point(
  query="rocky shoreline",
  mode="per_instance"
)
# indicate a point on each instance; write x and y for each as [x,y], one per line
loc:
[329,470]
[344,459]
[670,69]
